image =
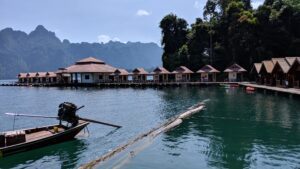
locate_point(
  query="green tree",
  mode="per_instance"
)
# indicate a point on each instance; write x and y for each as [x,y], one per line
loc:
[174,31]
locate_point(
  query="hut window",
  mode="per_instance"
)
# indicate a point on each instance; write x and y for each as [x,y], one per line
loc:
[87,77]
[100,77]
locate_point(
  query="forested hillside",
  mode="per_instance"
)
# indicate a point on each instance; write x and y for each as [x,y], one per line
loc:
[232,31]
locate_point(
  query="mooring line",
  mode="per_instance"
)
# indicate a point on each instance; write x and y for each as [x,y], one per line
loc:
[150,135]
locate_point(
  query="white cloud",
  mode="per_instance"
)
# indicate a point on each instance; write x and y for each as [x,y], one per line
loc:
[256,4]
[142,12]
[106,39]
[197,4]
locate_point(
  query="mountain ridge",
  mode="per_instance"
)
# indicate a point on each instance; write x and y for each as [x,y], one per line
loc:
[42,50]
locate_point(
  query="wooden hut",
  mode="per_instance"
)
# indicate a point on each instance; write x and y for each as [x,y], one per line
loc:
[160,74]
[294,73]
[31,77]
[280,70]
[120,75]
[266,75]
[89,70]
[208,73]
[38,77]
[182,74]
[139,75]
[22,78]
[62,76]
[255,72]
[51,77]
[235,73]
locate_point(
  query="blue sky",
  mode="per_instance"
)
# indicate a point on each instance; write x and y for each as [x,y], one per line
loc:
[98,20]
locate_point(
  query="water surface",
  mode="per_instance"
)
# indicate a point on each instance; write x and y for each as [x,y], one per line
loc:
[237,130]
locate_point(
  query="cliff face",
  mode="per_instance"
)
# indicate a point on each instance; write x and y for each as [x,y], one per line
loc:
[41,50]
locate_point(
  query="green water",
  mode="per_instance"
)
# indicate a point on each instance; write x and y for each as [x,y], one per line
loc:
[237,130]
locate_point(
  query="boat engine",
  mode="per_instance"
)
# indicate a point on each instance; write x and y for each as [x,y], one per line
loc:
[67,112]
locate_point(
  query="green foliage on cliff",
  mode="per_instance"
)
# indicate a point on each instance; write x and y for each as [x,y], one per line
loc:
[232,31]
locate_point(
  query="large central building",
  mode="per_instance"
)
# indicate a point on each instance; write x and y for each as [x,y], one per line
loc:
[88,70]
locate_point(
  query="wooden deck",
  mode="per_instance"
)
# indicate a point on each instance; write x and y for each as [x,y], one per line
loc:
[41,134]
[291,91]
[122,84]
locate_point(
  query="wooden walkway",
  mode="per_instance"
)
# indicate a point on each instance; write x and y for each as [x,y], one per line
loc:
[291,91]
[121,84]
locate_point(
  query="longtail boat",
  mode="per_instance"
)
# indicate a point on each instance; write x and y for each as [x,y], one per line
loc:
[28,139]
[16,141]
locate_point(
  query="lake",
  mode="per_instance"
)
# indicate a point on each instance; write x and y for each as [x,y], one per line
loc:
[236,130]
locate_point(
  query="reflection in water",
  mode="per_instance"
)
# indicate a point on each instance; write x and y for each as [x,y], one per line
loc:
[237,130]
[242,131]
[65,154]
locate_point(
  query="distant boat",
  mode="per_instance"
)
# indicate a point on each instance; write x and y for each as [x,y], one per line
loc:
[248,88]
[28,139]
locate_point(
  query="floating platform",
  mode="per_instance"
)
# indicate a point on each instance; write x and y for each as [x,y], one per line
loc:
[121,84]
[289,91]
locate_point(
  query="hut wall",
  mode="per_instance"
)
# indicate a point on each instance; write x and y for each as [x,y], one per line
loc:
[204,77]
[232,76]
[87,78]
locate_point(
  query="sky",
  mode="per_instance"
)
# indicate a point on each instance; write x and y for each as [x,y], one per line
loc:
[98,20]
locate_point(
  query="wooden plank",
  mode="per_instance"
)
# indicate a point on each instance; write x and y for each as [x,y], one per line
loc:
[273,88]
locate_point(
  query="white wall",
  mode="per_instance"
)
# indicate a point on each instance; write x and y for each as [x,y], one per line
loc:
[232,76]
[90,78]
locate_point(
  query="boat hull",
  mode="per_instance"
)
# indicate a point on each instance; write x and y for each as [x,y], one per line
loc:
[53,139]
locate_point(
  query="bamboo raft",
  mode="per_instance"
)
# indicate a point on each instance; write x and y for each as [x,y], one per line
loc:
[144,140]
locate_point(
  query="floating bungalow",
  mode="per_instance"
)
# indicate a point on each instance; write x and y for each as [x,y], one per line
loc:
[38,77]
[160,74]
[88,70]
[62,76]
[255,71]
[208,73]
[266,75]
[280,71]
[120,75]
[139,75]
[294,73]
[235,73]
[182,74]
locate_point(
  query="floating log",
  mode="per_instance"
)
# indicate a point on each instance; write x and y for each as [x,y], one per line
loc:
[145,139]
